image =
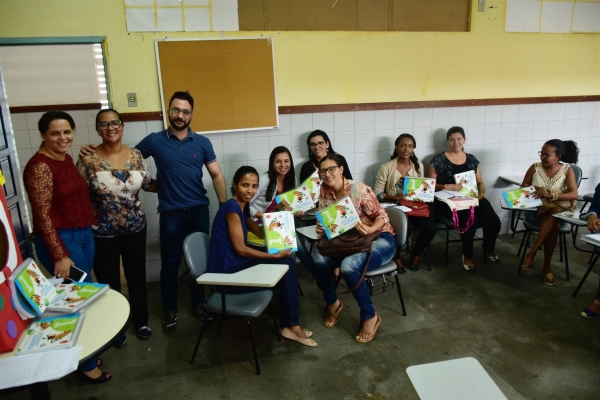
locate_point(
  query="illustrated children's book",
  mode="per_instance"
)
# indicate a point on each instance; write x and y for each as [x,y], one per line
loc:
[521,198]
[280,232]
[35,290]
[72,297]
[419,189]
[314,184]
[338,218]
[58,332]
[298,199]
[468,182]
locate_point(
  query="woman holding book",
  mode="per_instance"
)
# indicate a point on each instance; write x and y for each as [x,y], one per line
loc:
[555,184]
[372,218]
[593,221]
[319,146]
[389,186]
[279,179]
[229,252]
[62,212]
[443,167]
[115,174]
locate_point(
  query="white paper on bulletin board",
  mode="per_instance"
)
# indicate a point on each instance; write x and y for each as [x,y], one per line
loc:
[181,16]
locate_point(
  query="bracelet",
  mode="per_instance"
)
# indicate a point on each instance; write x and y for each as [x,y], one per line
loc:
[445,186]
[554,196]
[482,194]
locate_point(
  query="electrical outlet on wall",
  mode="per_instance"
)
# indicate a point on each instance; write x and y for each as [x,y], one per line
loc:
[481,5]
[132,99]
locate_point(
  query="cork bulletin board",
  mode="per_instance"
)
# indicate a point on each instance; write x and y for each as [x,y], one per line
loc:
[232,81]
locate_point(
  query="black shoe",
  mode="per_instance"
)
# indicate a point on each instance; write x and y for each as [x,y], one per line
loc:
[170,320]
[144,333]
[202,313]
[119,342]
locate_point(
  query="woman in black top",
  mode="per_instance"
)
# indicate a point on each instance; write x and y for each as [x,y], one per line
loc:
[443,167]
[319,146]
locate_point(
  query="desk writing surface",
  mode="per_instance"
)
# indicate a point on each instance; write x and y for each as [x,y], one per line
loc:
[261,275]
[514,179]
[571,217]
[309,232]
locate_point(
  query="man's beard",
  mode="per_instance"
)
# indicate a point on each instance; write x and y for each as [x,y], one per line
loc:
[185,126]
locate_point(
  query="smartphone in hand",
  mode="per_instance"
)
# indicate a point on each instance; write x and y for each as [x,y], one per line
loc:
[76,275]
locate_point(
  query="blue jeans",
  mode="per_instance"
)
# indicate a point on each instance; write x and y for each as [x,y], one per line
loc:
[175,225]
[80,243]
[288,290]
[351,268]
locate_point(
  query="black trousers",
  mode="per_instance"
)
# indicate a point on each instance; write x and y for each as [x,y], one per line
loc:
[426,228]
[485,217]
[132,249]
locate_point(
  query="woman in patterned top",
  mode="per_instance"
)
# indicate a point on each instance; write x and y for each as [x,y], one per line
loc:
[115,174]
[556,186]
[389,186]
[372,218]
[443,167]
[62,213]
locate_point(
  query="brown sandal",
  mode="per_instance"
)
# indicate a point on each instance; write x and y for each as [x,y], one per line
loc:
[548,279]
[335,315]
[366,334]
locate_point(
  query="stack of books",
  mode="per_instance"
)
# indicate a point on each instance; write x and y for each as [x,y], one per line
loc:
[58,309]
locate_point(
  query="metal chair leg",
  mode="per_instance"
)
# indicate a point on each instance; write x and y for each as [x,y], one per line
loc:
[272,315]
[400,295]
[560,246]
[253,346]
[205,326]
[522,242]
[590,268]
[564,239]
[526,237]
[300,292]
[427,260]
[447,243]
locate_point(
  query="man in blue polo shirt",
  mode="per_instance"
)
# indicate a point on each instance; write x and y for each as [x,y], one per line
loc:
[179,155]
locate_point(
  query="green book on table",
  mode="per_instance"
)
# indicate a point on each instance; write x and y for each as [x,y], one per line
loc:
[521,198]
[28,282]
[51,333]
[338,218]
[72,297]
[419,189]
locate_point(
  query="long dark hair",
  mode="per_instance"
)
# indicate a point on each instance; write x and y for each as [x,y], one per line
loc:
[243,170]
[44,122]
[332,157]
[413,159]
[289,181]
[567,150]
[314,133]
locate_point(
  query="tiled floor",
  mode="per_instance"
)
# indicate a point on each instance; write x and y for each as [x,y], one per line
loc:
[529,337]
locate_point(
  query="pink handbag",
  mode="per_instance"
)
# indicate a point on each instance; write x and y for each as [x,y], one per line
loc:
[458,203]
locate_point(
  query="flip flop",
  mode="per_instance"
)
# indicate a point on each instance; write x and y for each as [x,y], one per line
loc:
[335,315]
[548,279]
[358,339]
[288,334]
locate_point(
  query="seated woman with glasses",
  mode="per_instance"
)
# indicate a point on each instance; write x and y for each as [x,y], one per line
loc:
[389,186]
[229,253]
[372,218]
[319,146]
[556,186]
[115,174]
[593,223]
[279,179]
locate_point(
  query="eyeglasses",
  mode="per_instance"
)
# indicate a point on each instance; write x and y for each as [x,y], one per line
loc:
[318,144]
[115,124]
[331,170]
[176,111]
[545,155]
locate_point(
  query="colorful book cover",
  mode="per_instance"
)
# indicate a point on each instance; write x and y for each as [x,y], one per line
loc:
[280,232]
[314,185]
[521,198]
[419,189]
[34,286]
[72,297]
[255,240]
[338,218]
[51,333]
[468,182]
[298,199]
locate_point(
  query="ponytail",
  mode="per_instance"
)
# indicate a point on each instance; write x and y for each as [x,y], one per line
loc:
[567,150]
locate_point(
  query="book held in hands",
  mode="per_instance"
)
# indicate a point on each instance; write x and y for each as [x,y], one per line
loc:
[419,189]
[298,199]
[280,232]
[469,183]
[338,218]
[521,198]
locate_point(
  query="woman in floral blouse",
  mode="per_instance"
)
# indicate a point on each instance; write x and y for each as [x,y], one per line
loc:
[115,174]
[372,218]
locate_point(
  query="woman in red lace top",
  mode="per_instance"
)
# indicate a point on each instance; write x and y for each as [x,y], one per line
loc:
[61,208]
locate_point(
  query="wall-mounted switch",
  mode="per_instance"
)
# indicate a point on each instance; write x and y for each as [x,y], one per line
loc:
[132,99]
[481,5]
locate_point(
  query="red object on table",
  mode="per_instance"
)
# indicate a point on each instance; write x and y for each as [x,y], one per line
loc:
[11,324]
[418,209]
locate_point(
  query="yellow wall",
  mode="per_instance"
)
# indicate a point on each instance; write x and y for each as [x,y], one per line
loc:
[344,67]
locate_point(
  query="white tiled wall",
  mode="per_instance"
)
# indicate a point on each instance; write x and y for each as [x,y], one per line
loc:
[505,139]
